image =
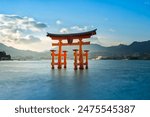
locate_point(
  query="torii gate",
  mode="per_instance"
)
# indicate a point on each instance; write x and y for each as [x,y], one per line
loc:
[78,54]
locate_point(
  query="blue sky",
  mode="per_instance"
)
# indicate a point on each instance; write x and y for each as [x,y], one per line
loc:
[117,21]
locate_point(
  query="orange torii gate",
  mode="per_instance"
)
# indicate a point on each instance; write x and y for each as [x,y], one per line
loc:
[78,53]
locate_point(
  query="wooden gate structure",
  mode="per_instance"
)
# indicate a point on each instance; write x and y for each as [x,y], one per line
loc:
[73,39]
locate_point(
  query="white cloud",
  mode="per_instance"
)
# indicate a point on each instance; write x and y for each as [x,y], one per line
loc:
[105,40]
[78,28]
[29,40]
[112,30]
[58,22]
[64,30]
[14,23]
[74,29]
[21,32]
[97,39]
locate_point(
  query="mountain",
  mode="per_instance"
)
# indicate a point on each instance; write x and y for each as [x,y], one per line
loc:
[136,50]
[23,54]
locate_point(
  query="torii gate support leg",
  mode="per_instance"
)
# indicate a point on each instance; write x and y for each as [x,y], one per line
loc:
[53,55]
[59,54]
[75,59]
[65,59]
[86,57]
[80,55]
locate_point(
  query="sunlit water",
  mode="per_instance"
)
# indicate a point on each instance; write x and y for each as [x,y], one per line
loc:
[103,80]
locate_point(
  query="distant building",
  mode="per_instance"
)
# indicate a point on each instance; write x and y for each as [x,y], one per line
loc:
[3,56]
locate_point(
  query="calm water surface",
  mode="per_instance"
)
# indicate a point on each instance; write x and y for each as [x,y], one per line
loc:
[103,80]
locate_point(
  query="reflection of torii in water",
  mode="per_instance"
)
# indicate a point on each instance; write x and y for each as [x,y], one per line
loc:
[78,54]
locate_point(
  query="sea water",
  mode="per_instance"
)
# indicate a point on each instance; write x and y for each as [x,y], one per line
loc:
[105,79]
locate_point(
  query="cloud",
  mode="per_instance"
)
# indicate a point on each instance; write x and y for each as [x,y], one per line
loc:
[14,23]
[29,40]
[112,30]
[58,22]
[64,30]
[105,40]
[75,29]
[78,28]
[97,39]
[39,25]
[20,32]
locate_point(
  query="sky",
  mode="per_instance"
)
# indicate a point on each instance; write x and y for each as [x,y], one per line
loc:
[24,23]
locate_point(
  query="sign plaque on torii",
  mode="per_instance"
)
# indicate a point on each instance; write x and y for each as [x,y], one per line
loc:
[79,54]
